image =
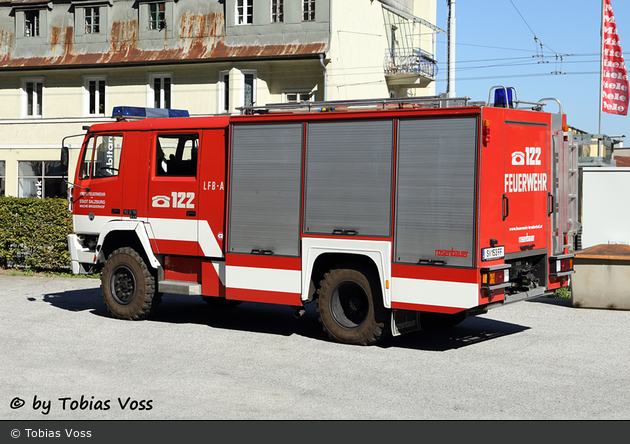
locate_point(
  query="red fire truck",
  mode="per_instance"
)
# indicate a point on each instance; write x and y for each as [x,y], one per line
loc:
[389,214]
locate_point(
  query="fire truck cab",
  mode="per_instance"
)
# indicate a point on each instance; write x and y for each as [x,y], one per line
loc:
[389,214]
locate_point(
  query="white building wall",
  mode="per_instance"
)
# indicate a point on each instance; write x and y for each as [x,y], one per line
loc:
[354,70]
[358,42]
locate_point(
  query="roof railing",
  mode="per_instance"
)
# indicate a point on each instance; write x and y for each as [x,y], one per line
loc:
[359,105]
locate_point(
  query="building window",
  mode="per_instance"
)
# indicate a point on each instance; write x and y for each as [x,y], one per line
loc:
[32,97]
[308,10]
[41,179]
[31,23]
[2,174]
[94,96]
[224,92]
[298,96]
[277,11]
[244,12]
[245,89]
[92,20]
[157,18]
[249,88]
[159,91]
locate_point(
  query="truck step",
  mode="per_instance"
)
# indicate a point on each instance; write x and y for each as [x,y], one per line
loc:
[180,287]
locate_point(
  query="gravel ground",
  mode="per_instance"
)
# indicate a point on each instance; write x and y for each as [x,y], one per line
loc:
[65,358]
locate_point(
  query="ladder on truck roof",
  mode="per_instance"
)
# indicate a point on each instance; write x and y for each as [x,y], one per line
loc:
[361,105]
[504,97]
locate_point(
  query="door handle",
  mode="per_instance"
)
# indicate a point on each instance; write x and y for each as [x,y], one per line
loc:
[506,207]
[191,213]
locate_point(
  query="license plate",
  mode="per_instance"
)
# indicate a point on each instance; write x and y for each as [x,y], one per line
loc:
[488,254]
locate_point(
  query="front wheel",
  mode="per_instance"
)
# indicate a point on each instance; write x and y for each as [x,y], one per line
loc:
[350,307]
[127,285]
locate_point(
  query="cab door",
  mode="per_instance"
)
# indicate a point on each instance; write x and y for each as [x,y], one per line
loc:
[526,186]
[173,209]
[97,197]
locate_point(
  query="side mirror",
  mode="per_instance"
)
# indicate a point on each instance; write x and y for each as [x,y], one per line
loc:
[65,160]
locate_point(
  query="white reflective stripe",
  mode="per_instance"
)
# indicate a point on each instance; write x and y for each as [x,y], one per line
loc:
[83,225]
[438,293]
[186,230]
[174,229]
[208,241]
[265,279]
[146,243]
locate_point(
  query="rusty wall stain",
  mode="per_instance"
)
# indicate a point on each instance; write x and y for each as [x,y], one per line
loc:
[7,40]
[201,25]
[198,37]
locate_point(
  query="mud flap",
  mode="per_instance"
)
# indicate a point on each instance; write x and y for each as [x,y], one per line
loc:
[405,321]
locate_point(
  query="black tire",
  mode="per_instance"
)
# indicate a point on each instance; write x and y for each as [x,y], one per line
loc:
[350,307]
[127,285]
[216,302]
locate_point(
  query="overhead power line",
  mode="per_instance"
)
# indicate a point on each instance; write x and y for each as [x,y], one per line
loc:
[559,57]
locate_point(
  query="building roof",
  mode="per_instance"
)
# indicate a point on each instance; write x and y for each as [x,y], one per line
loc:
[24,2]
[200,37]
[622,161]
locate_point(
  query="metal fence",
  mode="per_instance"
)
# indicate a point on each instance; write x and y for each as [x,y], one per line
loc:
[410,61]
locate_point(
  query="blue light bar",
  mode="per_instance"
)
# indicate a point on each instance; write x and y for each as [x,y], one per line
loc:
[136,112]
[500,100]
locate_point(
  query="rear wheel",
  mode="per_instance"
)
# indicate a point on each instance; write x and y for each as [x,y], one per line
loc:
[127,285]
[350,307]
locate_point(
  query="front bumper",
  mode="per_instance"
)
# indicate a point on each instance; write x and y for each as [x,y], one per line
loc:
[80,257]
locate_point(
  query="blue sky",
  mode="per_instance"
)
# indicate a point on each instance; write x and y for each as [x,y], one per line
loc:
[496,46]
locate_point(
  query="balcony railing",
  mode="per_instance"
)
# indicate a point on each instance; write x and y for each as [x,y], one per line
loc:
[410,61]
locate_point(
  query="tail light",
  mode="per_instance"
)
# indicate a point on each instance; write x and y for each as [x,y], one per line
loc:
[493,278]
[561,265]
[485,132]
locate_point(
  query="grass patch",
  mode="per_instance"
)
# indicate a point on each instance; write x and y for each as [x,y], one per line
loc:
[35,273]
[562,293]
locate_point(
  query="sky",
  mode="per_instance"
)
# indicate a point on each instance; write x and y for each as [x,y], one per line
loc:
[495,45]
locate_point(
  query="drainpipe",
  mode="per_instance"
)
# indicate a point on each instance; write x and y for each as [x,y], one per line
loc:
[321,61]
[450,80]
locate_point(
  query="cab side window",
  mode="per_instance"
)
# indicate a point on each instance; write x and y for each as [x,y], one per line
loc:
[107,151]
[176,155]
[101,157]
[86,163]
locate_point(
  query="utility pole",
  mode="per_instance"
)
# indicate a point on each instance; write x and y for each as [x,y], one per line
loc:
[450,79]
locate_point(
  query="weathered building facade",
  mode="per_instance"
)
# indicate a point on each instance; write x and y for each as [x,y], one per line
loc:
[65,64]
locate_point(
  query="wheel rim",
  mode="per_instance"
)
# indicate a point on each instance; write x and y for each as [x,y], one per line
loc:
[123,285]
[349,304]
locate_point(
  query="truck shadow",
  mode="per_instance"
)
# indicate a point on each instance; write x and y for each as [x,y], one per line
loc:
[280,320]
[471,331]
[561,302]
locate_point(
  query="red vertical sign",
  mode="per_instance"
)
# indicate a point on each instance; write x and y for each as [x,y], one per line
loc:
[615,92]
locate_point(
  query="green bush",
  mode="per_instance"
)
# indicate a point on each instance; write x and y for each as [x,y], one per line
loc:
[563,293]
[34,233]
